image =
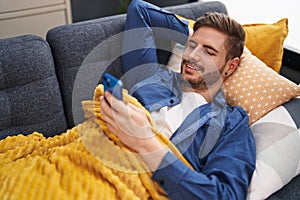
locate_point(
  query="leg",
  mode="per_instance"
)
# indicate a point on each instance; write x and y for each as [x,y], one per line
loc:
[144,22]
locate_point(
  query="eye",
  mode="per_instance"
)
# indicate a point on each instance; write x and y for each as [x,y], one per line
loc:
[210,52]
[191,45]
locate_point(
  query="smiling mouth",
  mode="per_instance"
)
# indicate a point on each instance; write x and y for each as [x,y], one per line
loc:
[193,66]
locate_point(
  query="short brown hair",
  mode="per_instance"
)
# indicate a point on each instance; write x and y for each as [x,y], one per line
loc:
[234,44]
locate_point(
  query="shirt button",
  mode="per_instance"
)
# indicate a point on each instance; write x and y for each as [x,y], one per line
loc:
[163,80]
[172,101]
[161,182]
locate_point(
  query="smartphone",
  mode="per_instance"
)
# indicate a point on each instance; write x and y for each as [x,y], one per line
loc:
[113,85]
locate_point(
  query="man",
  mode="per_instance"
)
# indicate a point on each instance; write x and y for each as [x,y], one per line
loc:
[214,138]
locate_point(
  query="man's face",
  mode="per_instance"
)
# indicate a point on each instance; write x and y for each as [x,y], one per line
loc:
[204,58]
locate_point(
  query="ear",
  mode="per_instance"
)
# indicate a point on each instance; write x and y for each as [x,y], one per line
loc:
[231,66]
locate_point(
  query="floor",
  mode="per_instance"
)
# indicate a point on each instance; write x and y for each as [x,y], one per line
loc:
[268,11]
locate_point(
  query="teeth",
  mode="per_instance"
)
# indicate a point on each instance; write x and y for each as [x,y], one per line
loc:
[191,66]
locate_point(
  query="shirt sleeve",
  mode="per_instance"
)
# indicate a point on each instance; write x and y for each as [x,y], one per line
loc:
[224,174]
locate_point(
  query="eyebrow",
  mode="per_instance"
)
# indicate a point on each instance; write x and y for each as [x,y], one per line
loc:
[205,46]
[193,41]
[210,47]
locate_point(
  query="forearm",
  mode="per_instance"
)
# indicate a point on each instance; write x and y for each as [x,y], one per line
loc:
[152,152]
[139,45]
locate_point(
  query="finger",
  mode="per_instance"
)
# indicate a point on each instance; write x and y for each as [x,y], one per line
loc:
[114,129]
[106,110]
[110,115]
[116,104]
[109,121]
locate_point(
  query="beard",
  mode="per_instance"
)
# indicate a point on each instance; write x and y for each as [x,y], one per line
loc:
[204,80]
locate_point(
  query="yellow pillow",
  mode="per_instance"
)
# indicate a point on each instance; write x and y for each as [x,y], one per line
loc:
[257,88]
[190,21]
[265,41]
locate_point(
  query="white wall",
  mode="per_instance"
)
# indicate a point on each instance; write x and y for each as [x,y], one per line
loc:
[268,11]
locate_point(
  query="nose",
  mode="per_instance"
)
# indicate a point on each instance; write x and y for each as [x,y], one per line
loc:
[195,55]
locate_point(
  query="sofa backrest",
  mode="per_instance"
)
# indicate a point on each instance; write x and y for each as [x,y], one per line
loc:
[30,98]
[71,46]
[93,45]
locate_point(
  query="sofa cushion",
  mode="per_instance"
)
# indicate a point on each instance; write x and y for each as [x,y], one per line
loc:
[71,48]
[72,45]
[30,98]
[277,137]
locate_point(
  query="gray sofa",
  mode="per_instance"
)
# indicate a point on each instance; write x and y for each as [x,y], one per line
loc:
[40,89]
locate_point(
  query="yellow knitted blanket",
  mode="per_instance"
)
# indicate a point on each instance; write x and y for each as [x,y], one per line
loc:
[85,162]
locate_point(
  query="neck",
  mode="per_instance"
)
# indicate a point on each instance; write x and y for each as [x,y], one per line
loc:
[208,93]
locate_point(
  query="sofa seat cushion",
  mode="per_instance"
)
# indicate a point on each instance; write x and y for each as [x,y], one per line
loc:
[30,98]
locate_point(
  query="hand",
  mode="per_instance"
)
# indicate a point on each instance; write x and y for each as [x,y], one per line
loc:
[127,121]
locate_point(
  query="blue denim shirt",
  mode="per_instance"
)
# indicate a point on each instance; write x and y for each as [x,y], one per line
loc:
[216,139]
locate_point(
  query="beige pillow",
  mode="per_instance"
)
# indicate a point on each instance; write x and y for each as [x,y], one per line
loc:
[257,88]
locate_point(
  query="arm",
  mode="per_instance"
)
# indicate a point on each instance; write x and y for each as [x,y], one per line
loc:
[223,174]
[144,23]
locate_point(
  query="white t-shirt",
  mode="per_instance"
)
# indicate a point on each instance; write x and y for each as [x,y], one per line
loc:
[169,118]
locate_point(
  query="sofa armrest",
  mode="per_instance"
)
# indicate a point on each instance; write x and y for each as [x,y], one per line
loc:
[30,98]
[291,64]
[291,70]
